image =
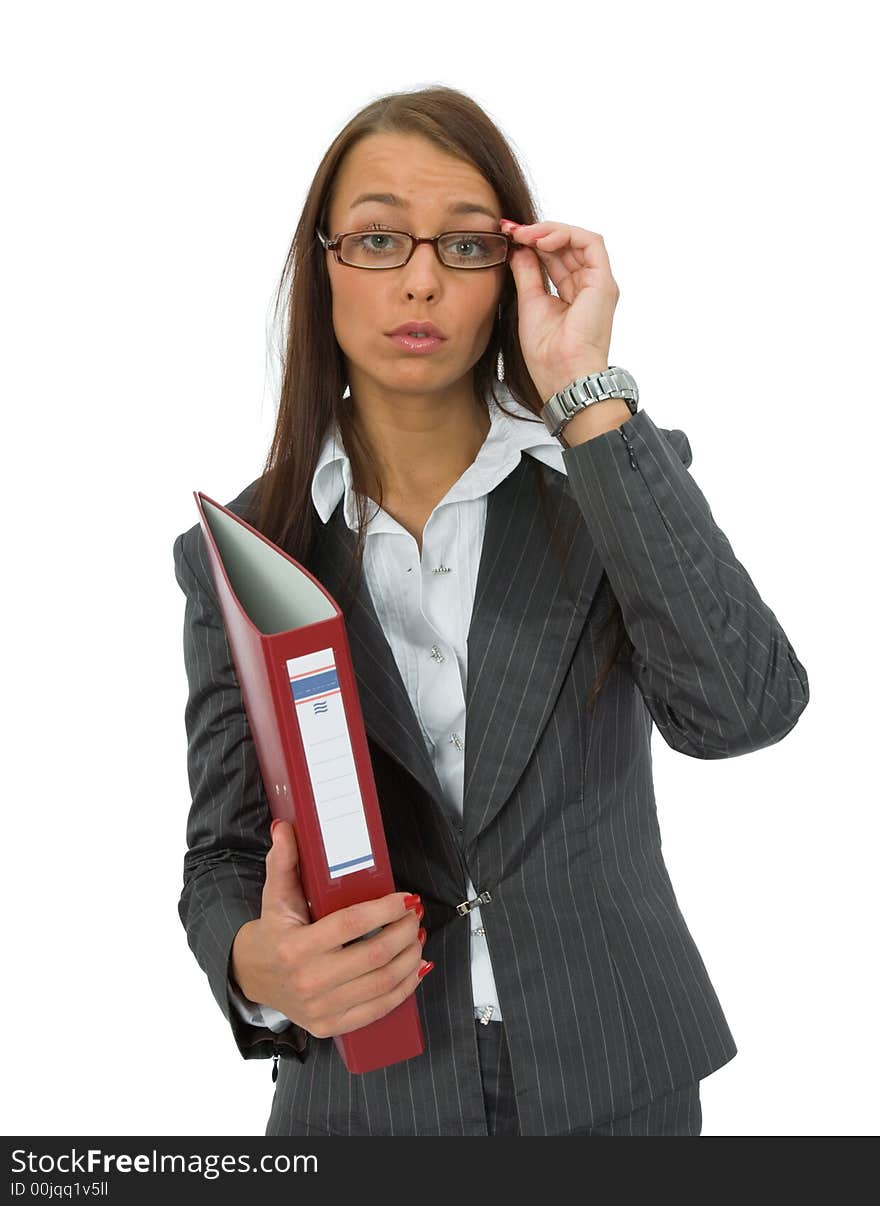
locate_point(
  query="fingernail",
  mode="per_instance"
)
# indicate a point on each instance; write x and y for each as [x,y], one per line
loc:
[272,827]
[423,971]
[423,934]
[411,900]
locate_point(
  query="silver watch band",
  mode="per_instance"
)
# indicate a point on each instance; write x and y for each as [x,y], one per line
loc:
[613,382]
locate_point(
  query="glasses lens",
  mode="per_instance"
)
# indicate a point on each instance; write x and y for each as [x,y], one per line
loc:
[390,248]
[375,249]
[473,249]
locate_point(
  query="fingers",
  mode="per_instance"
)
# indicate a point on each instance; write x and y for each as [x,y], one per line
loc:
[283,892]
[564,249]
[354,928]
[345,925]
[527,271]
[533,254]
[354,985]
[402,974]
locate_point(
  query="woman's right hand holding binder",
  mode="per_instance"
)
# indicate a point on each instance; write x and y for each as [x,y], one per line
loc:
[304,969]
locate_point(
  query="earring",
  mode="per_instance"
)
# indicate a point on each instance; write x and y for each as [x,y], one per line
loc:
[499,370]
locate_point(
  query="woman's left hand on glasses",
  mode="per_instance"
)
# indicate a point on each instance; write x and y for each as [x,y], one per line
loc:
[570,335]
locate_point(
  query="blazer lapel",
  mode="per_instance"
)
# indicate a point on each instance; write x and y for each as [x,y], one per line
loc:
[528,614]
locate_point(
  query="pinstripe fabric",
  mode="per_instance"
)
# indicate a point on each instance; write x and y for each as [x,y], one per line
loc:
[608,1005]
[677,1113]
[499,1090]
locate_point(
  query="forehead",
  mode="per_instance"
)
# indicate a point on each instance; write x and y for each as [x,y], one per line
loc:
[420,175]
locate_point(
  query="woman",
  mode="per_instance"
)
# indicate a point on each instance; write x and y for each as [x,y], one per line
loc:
[534,596]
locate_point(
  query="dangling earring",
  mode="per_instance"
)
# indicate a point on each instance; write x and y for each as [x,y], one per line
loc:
[499,371]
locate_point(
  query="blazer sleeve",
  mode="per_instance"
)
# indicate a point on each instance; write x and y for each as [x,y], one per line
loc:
[256,1014]
[717,673]
[227,830]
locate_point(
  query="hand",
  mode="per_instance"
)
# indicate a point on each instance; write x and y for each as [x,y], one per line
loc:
[570,335]
[300,967]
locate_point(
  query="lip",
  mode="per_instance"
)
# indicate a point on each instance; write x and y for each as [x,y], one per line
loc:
[422,345]
[427,327]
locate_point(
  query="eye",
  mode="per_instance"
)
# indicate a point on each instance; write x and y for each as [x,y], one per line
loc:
[371,246]
[373,243]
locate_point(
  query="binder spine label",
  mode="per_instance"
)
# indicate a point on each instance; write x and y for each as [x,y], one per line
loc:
[317,701]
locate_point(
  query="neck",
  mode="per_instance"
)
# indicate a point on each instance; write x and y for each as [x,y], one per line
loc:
[422,442]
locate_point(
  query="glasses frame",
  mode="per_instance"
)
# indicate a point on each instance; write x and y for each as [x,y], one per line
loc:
[334,245]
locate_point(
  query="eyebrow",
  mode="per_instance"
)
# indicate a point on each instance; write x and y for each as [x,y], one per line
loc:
[456,207]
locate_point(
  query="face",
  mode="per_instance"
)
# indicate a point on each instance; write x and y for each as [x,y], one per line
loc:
[367,304]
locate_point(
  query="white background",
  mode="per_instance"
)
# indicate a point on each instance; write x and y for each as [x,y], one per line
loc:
[156,159]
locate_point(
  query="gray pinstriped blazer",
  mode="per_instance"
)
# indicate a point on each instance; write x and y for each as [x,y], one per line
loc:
[607,1002]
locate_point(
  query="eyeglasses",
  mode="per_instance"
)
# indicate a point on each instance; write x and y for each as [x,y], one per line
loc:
[468,249]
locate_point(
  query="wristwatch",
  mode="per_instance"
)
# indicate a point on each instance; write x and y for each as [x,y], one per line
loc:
[612,382]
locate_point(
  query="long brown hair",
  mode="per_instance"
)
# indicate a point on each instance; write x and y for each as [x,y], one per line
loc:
[313,369]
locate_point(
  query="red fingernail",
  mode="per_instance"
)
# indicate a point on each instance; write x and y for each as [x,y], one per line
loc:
[411,900]
[423,934]
[423,971]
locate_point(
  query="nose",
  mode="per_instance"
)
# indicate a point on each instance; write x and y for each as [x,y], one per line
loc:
[423,268]
[425,249]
